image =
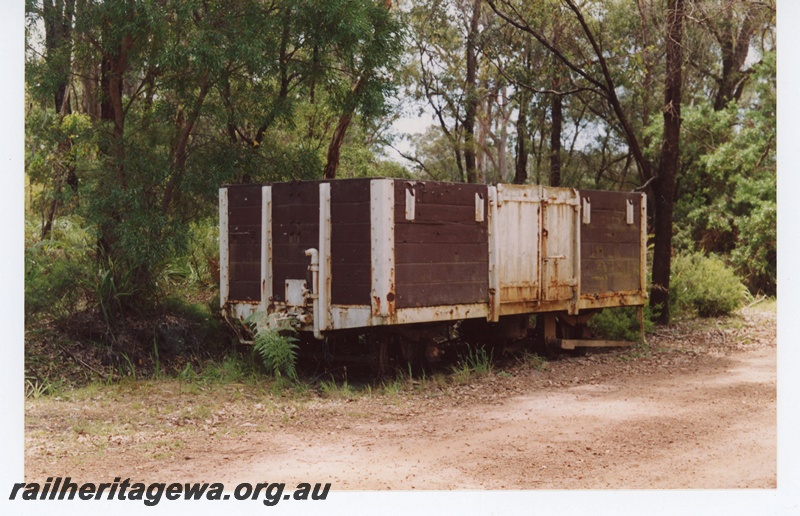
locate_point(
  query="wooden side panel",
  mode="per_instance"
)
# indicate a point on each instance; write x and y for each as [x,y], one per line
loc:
[610,246]
[244,242]
[295,228]
[350,242]
[441,244]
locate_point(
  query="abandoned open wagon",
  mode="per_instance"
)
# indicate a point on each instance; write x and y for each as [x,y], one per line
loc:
[401,261]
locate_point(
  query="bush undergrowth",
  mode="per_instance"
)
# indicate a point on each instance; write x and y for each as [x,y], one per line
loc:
[621,323]
[278,352]
[704,285]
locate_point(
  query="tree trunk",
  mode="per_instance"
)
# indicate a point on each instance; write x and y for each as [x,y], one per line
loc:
[502,147]
[521,162]
[664,184]
[734,47]
[180,153]
[58,55]
[471,108]
[335,147]
[556,121]
[58,47]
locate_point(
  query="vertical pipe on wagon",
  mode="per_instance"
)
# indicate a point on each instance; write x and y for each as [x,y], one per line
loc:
[314,268]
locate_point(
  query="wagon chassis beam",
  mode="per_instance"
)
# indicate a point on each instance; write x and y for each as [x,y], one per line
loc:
[553,320]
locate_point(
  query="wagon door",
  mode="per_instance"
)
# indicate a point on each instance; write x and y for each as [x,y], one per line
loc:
[518,229]
[560,245]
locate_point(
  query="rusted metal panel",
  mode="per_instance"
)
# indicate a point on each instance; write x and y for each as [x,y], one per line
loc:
[537,245]
[444,213]
[350,236]
[248,291]
[243,253]
[518,242]
[300,214]
[382,248]
[612,245]
[244,215]
[613,299]
[459,254]
[245,269]
[433,294]
[453,233]
[559,243]
[601,251]
[442,252]
[344,317]
[244,195]
[295,228]
[244,242]
[350,242]
[351,282]
[350,254]
[437,273]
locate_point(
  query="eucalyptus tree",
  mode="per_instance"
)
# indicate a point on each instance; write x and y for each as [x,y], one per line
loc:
[726,192]
[447,39]
[590,59]
[182,95]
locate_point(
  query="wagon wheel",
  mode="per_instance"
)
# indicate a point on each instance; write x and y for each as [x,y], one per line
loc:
[383,357]
[378,348]
[536,338]
[413,353]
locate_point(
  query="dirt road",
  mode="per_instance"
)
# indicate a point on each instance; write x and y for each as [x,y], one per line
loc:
[696,410]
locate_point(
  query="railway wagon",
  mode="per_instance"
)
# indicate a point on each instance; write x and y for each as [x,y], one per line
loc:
[334,257]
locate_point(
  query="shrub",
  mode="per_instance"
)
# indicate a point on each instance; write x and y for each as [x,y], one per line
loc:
[621,323]
[704,285]
[58,270]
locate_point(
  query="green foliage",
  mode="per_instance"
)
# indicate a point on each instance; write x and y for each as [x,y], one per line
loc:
[35,389]
[58,270]
[727,201]
[704,285]
[194,272]
[278,352]
[621,323]
[476,361]
[231,369]
[332,389]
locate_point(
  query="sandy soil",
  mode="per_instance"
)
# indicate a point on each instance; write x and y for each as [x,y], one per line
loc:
[695,410]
